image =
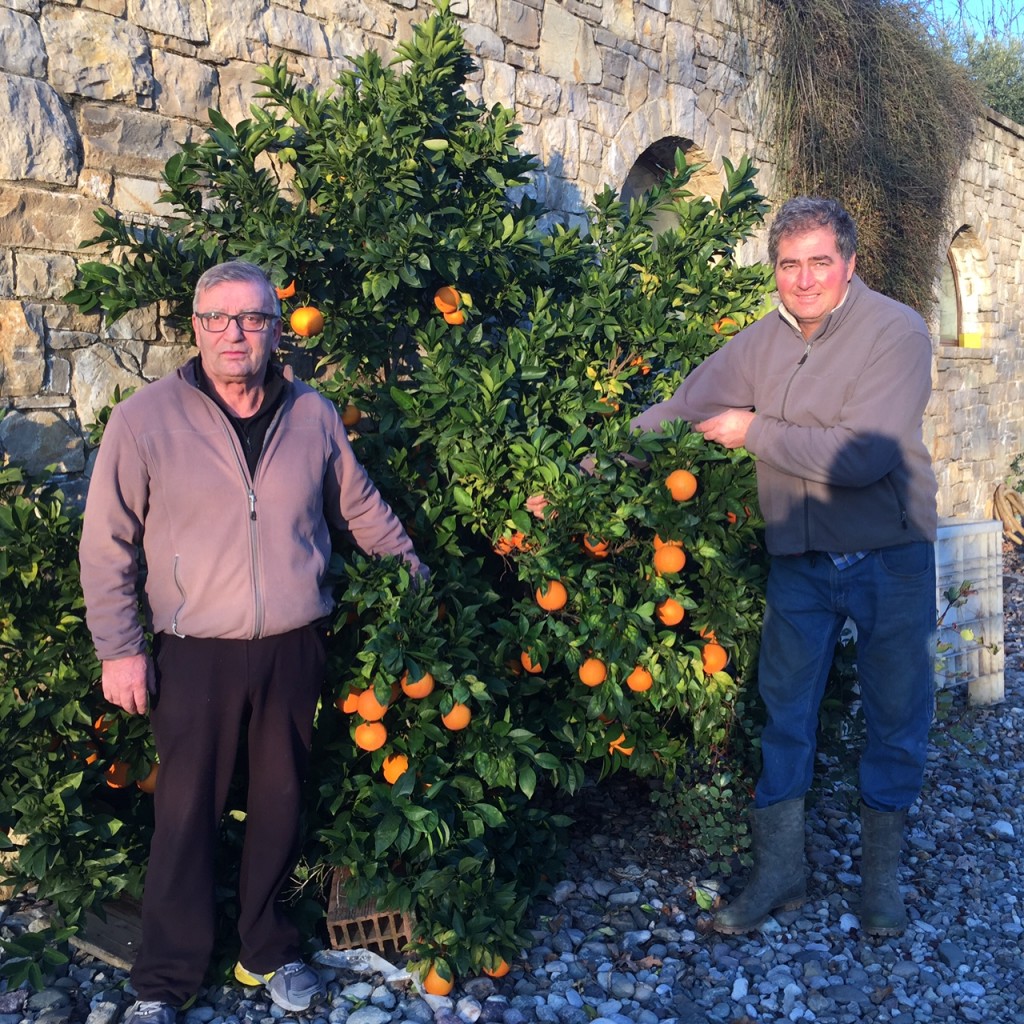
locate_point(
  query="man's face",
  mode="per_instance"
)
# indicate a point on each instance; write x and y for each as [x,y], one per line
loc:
[234,356]
[811,276]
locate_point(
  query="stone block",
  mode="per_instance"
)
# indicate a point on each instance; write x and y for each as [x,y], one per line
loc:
[43,275]
[47,142]
[519,23]
[291,30]
[36,219]
[184,19]
[95,373]
[567,48]
[538,91]
[22,51]
[96,56]
[483,43]
[185,87]
[22,352]
[123,141]
[36,440]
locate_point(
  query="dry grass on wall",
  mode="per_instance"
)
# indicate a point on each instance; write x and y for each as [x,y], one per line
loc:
[867,109]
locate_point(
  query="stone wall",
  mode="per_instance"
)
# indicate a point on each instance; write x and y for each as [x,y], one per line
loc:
[96,97]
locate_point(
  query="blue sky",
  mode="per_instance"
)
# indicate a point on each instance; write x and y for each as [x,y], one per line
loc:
[1004,15]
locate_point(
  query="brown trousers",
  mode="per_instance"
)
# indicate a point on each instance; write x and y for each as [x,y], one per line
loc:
[211,696]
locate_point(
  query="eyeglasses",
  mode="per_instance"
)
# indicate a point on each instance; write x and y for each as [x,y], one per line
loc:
[217,322]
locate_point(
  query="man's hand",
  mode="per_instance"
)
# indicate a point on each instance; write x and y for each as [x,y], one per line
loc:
[127,682]
[729,428]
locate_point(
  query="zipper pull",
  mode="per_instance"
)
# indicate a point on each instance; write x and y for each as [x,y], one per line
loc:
[252,505]
[803,358]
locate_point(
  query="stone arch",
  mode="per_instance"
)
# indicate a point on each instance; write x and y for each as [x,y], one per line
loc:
[651,134]
[971,272]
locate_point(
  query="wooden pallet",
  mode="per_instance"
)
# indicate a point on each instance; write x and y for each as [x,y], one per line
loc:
[115,940]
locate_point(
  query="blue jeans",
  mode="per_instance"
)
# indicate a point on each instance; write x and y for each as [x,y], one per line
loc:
[890,595]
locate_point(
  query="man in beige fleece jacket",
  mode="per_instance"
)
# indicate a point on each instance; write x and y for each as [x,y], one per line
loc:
[228,478]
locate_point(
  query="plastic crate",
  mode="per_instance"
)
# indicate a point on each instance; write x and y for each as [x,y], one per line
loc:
[973,552]
[366,926]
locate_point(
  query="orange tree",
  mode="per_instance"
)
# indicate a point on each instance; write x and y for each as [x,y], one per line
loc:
[482,352]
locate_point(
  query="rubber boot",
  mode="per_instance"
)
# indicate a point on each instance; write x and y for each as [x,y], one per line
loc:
[881,835]
[778,880]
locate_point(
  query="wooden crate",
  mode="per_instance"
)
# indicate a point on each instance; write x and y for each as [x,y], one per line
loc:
[115,940]
[365,926]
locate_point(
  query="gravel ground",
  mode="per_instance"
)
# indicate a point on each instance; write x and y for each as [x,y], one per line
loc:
[621,940]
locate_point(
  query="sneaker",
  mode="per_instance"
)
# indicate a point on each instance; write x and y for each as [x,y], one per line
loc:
[292,986]
[150,1012]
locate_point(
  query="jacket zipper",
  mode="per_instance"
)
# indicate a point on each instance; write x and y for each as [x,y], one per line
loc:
[782,415]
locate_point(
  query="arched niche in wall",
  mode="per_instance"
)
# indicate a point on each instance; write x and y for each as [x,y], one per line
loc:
[658,160]
[965,284]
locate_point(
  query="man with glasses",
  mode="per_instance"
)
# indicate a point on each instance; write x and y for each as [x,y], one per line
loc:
[227,477]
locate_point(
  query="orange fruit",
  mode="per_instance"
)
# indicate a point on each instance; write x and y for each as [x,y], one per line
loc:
[707,634]
[719,325]
[394,767]
[528,663]
[434,984]
[286,292]
[670,612]
[102,724]
[511,542]
[117,775]
[456,317]
[422,687]
[596,546]
[370,735]
[447,299]
[458,718]
[659,543]
[368,707]
[668,560]
[499,970]
[715,658]
[350,703]
[682,484]
[351,415]
[94,753]
[593,672]
[148,784]
[307,321]
[639,679]
[619,745]
[611,406]
[552,597]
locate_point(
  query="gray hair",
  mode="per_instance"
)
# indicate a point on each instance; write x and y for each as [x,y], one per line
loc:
[807,213]
[236,270]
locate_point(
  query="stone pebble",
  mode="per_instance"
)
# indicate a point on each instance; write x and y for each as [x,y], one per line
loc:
[621,939]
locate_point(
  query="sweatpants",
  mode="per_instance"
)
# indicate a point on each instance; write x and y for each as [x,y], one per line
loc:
[211,695]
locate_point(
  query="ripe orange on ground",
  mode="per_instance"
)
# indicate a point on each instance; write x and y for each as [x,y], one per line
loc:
[286,292]
[639,679]
[552,597]
[148,784]
[307,321]
[435,985]
[394,767]
[422,687]
[670,612]
[499,970]
[668,560]
[447,299]
[596,546]
[368,707]
[456,317]
[528,663]
[593,672]
[117,775]
[715,658]
[351,415]
[370,735]
[682,484]
[458,718]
